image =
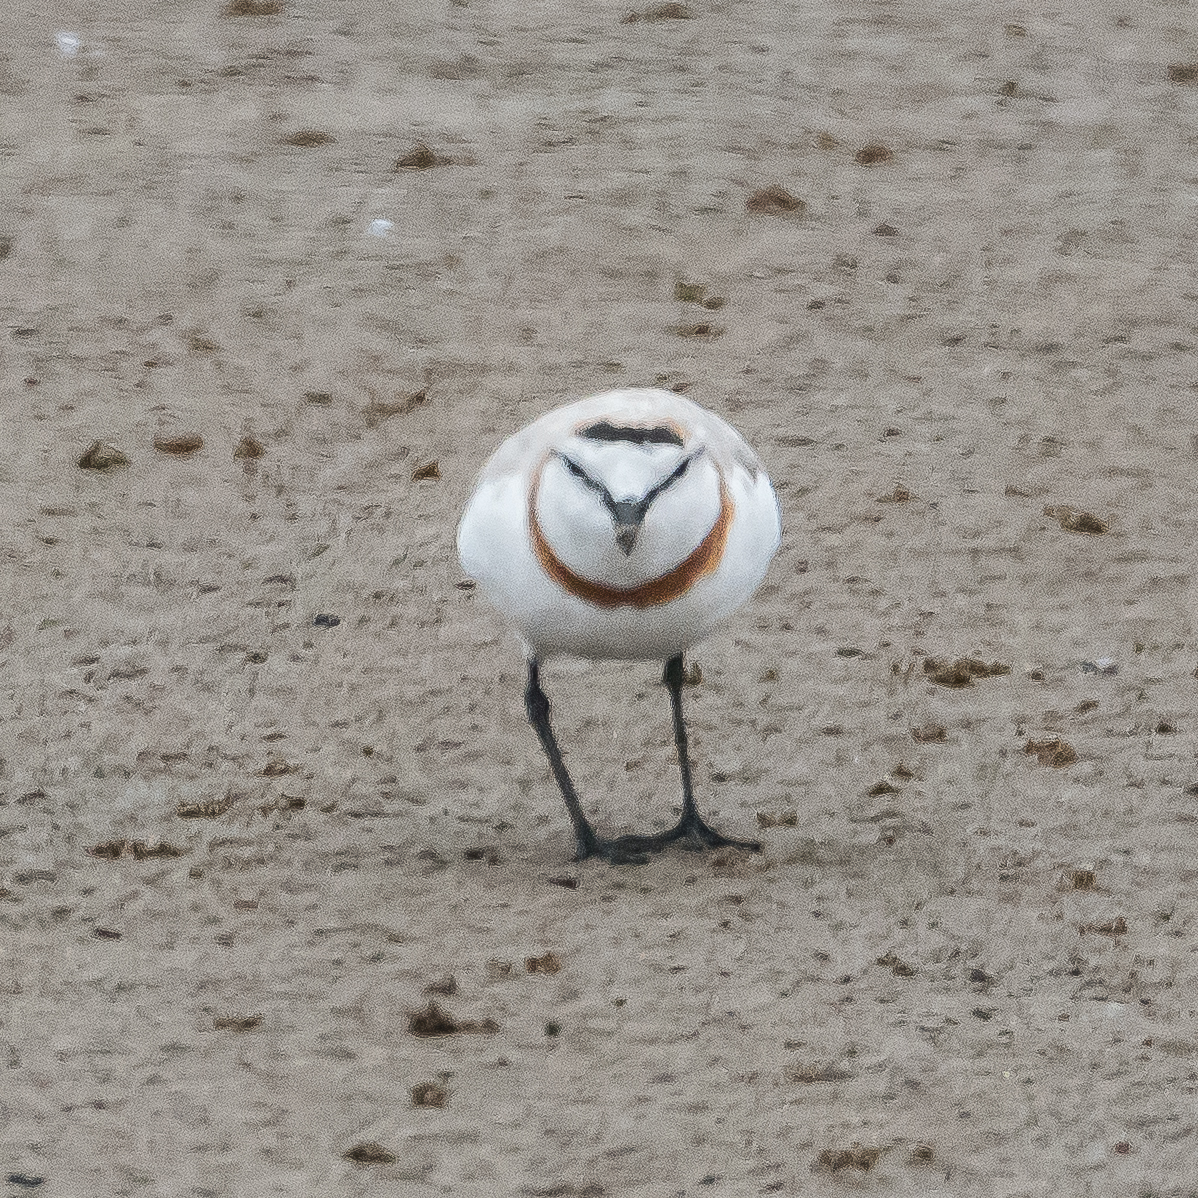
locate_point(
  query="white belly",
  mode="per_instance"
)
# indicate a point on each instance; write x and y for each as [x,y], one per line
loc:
[495,549]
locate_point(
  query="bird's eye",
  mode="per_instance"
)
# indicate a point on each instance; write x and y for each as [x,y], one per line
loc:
[681,469]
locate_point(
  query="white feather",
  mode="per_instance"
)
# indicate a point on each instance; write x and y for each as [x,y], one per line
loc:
[496,549]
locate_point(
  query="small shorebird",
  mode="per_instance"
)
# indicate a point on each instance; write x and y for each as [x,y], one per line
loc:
[628,526]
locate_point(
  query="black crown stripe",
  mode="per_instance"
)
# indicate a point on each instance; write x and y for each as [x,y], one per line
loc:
[606,431]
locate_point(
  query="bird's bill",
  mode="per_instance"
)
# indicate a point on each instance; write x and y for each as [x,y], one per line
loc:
[626,534]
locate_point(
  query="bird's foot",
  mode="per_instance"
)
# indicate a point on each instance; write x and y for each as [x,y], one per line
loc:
[619,850]
[697,836]
[634,850]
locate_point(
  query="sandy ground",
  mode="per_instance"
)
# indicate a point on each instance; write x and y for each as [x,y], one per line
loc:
[957,968]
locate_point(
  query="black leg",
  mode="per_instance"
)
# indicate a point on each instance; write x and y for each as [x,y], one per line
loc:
[629,850]
[691,826]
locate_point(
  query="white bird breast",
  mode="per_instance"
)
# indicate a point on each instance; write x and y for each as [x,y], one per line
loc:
[579,528]
[495,542]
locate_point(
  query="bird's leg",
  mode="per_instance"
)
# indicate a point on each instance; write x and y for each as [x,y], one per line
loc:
[691,826]
[623,851]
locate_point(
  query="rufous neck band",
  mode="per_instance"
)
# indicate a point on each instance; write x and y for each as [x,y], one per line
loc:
[702,560]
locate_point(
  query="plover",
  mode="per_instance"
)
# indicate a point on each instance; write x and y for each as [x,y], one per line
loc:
[627,525]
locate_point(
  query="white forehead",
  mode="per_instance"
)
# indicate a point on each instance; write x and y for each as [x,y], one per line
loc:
[640,407]
[651,407]
[625,468]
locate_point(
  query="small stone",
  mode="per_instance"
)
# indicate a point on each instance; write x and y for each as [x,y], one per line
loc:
[429,1094]
[101,455]
[180,446]
[211,809]
[236,1023]
[701,329]
[420,158]
[1072,520]
[308,138]
[784,819]
[433,1020]
[775,200]
[248,447]
[110,850]
[963,671]
[874,154]
[369,1153]
[1053,752]
[854,1157]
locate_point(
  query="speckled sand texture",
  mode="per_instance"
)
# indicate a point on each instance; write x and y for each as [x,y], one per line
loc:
[959,968]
